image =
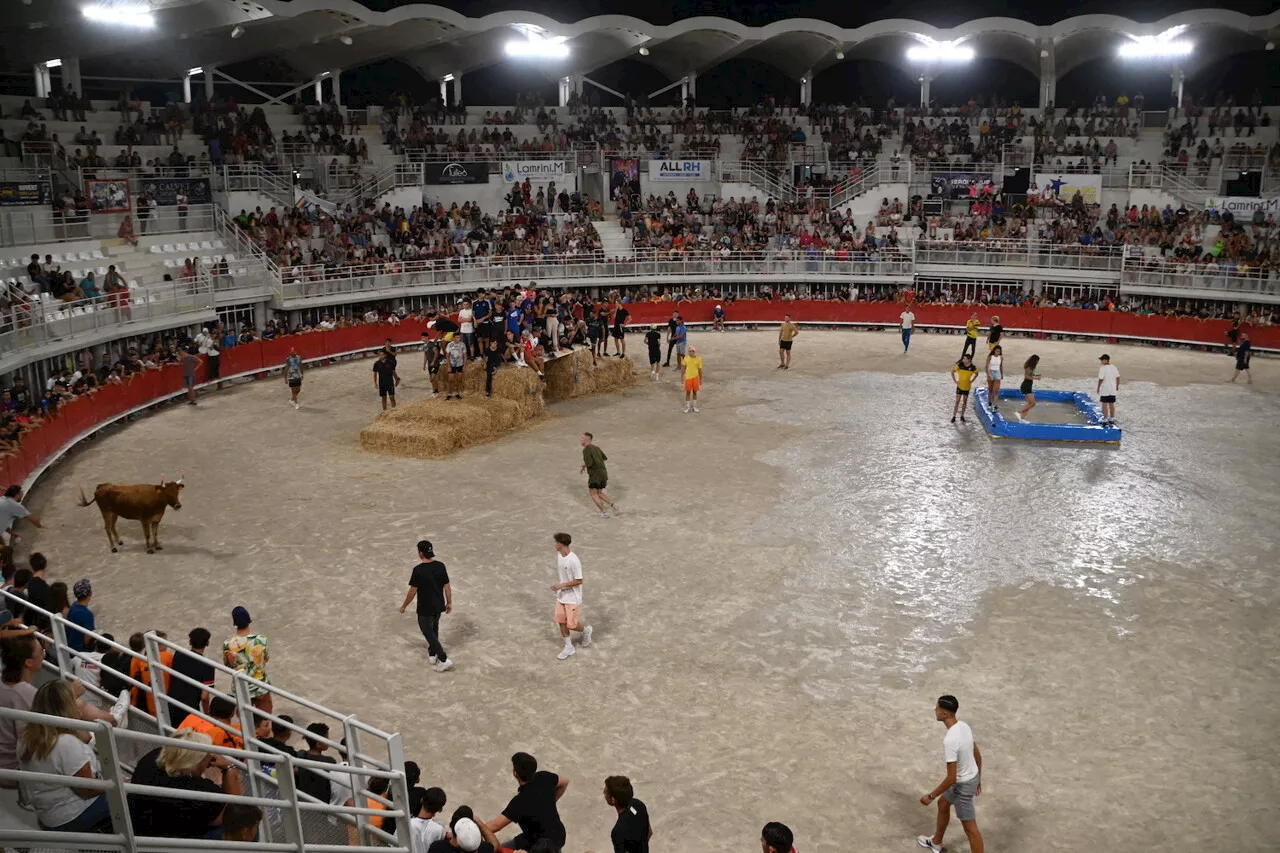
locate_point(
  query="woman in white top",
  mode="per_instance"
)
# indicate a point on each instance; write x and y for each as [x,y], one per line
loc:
[466,325]
[61,752]
[995,358]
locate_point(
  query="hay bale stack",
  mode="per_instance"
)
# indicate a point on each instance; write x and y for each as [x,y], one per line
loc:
[432,429]
[574,375]
[518,384]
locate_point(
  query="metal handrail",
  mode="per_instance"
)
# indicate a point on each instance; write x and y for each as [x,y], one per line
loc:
[34,226]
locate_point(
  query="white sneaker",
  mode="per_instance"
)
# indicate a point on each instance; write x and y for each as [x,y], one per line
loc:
[431,659]
[926,842]
[687,408]
[586,636]
[566,652]
[696,409]
[444,666]
[296,407]
[120,710]
[1019,416]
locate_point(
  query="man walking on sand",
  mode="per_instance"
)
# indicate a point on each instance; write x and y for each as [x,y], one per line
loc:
[293,376]
[1108,385]
[593,459]
[906,323]
[429,582]
[1244,352]
[786,334]
[692,380]
[569,595]
[962,783]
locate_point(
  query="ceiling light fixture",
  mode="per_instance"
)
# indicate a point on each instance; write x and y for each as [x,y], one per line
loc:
[191,72]
[448,78]
[1154,47]
[53,63]
[125,15]
[345,39]
[839,54]
[940,51]
[237,31]
[644,51]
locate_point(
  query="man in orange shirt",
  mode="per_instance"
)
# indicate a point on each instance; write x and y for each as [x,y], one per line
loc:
[223,711]
[140,670]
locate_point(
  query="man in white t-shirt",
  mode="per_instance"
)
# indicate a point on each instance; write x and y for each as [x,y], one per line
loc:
[11,509]
[908,322]
[963,781]
[1108,385]
[424,829]
[569,595]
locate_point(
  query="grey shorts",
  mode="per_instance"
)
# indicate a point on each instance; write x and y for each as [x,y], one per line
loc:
[960,795]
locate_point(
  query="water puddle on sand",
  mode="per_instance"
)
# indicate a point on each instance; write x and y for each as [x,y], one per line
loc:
[902,521]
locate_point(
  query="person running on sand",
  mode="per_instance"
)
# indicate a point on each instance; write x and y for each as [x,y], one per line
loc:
[1029,376]
[593,466]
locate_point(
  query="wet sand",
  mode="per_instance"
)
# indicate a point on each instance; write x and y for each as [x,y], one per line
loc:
[798,571]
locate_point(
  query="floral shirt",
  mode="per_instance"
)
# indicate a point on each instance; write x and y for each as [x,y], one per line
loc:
[249,655]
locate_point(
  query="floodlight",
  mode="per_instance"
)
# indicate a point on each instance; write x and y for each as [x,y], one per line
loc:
[1148,47]
[125,15]
[237,31]
[940,52]
[448,78]
[345,39]
[839,54]
[644,51]
[53,63]
[538,49]
[191,72]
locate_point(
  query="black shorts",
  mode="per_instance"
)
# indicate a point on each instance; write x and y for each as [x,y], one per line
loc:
[962,392]
[456,369]
[295,383]
[384,391]
[618,331]
[655,356]
[597,484]
[1025,387]
[1242,365]
[786,345]
[1109,398]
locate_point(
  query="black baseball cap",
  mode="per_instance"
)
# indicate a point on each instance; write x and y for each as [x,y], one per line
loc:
[425,547]
[1104,357]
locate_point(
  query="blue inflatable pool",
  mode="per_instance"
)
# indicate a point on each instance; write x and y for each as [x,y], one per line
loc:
[999,427]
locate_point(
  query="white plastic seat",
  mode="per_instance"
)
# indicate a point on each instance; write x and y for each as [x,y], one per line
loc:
[170,263]
[133,284]
[155,250]
[181,247]
[206,261]
[167,248]
[102,271]
[229,257]
[86,256]
[97,255]
[57,315]
[57,259]
[207,246]
[218,244]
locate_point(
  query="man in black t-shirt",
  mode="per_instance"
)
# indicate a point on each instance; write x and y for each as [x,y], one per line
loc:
[654,339]
[533,807]
[674,323]
[193,665]
[429,582]
[631,832]
[620,317]
[385,378]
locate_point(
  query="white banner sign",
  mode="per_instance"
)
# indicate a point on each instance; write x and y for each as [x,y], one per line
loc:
[680,170]
[1242,207]
[1063,187]
[304,200]
[518,171]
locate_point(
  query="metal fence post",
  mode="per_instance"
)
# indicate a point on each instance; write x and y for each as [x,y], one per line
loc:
[395,753]
[152,651]
[117,800]
[248,729]
[359,783]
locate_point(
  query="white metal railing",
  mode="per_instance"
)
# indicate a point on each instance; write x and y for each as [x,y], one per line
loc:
[246,247]
[313,282]
[773,179]
[33,226]
[425,155]
[1186,183]
[254,177]
[36,319]
[293,820]
[1000,253]
[1210,282]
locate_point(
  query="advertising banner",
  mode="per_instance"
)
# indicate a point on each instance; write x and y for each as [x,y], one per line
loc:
[165,190]
[25,193]
[110,196]
[535,171]
[456,173]
[1056,187]
[624,174]
[958,184]
[1242,207]
[680,170]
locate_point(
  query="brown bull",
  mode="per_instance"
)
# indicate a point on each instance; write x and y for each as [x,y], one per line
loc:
[145,503]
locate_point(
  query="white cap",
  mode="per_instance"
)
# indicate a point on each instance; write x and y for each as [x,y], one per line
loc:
[467,834]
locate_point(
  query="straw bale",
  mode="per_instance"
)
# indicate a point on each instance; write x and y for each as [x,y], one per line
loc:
[511,382]
[432,429]
[575,376]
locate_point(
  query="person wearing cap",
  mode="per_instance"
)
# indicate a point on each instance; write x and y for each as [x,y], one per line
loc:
[653,338]
[963,781]
[777,838]
[246,651]
[429,583]
[466,834]
[80,614]
[293,376]
[717,318]
[692,366]
[786,335]
[11,509]
[1108,385]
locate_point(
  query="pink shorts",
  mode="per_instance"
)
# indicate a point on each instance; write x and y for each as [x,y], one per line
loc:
[570,615]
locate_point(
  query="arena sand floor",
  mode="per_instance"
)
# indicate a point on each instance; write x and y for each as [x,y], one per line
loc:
[797,573]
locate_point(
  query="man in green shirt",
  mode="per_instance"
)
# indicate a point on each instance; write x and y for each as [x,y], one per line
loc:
[597,475]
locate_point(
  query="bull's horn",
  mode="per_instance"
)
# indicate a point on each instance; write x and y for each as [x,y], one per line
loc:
[182,475]
[162,479]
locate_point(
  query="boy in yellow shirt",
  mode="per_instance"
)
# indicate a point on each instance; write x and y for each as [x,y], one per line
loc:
[692,379]
[962,374]
[971,335]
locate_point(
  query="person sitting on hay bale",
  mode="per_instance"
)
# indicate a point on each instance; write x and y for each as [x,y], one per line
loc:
[533,354]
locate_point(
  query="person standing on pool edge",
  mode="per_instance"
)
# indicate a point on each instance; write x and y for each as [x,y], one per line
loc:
[1108,385]
[385,378]
[593,459]
[692,380]
[971,335]
[995,361]
[1029,376]
[907,322]
[786,334]
[962,374]
[962,783]
[1244,351]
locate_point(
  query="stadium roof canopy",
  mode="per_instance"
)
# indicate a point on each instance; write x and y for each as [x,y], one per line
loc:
[311,37]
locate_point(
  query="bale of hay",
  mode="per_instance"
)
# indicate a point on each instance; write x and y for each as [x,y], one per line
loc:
[575,375]
[432,429]
[511,382]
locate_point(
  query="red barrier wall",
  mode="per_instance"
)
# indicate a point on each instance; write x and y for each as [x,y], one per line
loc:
[82,414]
